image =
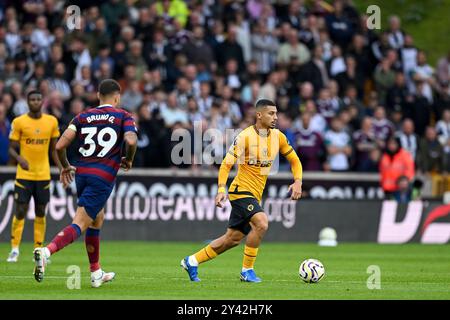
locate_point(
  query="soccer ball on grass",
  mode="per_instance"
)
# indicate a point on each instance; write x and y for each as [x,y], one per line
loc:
[311,271]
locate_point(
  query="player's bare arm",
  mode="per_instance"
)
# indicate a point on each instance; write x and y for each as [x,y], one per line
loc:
[297,171]
[13,152]
[224,171]
[221,196]
[66,170]
[296,189]
[130,150]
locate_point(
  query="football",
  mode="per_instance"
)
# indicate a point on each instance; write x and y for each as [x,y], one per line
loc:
[311,271]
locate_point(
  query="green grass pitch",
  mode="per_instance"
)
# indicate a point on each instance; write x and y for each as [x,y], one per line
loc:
[150,270]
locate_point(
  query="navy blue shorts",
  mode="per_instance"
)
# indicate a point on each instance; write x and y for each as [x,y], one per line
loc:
[92,194]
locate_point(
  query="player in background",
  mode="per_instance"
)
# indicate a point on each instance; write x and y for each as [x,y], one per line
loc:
[101,132]
[33,133]
[254,149]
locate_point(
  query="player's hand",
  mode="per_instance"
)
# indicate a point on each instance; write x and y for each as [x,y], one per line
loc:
[296,190]
[23,163]
[125,164]
[220,198]
[67,175]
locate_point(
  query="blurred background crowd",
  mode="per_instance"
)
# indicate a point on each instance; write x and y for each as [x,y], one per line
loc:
[342,90]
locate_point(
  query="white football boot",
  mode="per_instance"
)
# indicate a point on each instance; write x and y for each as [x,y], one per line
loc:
[40,260]
[13,255]
[100,277]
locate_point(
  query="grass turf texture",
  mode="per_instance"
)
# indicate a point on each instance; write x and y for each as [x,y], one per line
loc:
[149,270]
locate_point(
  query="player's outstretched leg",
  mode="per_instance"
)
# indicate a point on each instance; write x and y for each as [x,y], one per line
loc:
[259,224]
[190,263]
[229,240]
[68,235]
[65,237]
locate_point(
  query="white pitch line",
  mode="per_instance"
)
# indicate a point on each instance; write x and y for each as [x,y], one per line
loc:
[222,280]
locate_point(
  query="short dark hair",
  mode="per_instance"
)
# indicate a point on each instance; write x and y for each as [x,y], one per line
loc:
[108,86]
[33,92]
[262,103]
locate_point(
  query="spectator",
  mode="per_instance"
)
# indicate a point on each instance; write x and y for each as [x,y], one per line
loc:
[205,99]
[197,50]
[79,57]
[230,49]
[396,36]
[244,35]
[172,114]
[395,162]
[309,33]
[384,79]
[104,56]
[381,126]
[338,145]
[408,139]
[113,10]
[350,77]
[99,37]
[408,56]
[336,61]
[315,71]
[420,109]
[293,51]
[423,76]
[269,89]
[443,70]
[42,38]
[430,157]
[176,9]
[9,74]
[397,96]
[327,107]
[309,145]
[20,105]
[296,12]
[232,78]
[58,82]
[404,193]
[136,58]
[340,28]
[132,97]
[264,47]
[365,143]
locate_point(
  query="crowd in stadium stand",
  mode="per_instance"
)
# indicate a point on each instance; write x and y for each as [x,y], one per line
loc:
[342,90]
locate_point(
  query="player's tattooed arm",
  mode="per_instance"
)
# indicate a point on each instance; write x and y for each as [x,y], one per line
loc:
[66,170]
[64,141]
[13,147]
[130,150]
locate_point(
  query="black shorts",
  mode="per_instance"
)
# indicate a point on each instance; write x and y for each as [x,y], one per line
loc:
[242,210]
[24,189]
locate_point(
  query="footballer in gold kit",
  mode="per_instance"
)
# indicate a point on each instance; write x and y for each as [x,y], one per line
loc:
[32,135]
[254,150]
